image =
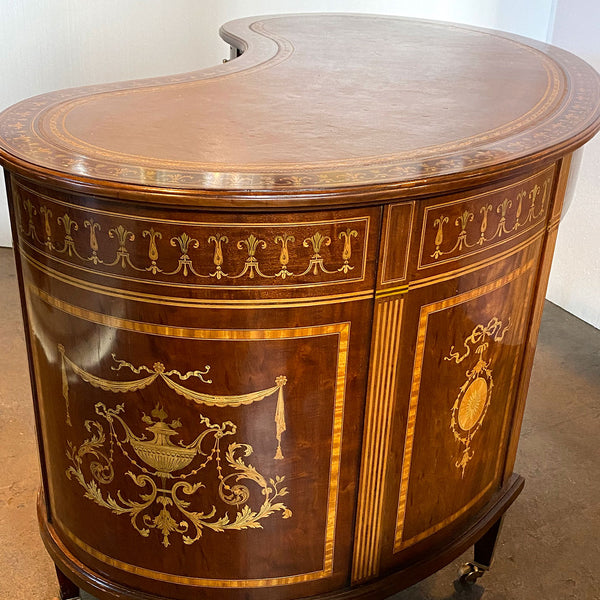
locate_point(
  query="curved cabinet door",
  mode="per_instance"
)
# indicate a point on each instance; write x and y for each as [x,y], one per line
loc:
[451,326]
[200,383]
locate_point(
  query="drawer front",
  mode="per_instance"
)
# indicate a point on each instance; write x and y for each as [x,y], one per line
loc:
[193,254]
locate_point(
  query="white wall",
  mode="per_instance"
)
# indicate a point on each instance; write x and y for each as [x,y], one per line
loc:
[575,277]
[530,18]
[52,44]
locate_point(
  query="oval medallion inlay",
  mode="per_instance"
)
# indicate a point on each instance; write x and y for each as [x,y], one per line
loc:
[473,404]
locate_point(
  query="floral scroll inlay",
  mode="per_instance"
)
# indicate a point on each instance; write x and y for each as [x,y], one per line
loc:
[152,249]
[185,265]
[284,256]
[251,266]
[316,260]
[94,228]
[218,240]
[347,253]
[167,469]
[510,221]
[272,253]
[473,400]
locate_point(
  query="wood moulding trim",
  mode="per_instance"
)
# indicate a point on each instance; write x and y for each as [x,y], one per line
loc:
[379,589]
[280,200]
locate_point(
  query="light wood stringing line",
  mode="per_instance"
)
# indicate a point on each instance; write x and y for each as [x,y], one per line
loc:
[193,302]
[447,275]
[362,510]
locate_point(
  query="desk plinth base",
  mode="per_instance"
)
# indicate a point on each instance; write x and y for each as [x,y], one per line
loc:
[482,532]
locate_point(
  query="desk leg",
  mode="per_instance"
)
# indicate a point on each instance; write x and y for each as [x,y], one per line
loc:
[484,555]
[484,548]
[68,590]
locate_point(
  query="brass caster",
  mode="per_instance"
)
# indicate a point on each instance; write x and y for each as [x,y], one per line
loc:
[469,573]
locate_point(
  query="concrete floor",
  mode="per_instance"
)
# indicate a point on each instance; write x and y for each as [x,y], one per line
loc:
[550,544]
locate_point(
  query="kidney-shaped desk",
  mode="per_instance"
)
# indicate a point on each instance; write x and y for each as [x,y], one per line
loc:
[281,313]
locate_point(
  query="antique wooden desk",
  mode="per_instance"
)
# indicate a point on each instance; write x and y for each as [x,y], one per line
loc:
[281,313]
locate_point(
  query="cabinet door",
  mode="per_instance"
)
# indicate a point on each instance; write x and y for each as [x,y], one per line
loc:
[200,381]
[456,287]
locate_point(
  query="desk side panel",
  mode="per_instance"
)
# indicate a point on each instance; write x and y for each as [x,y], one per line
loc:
[202,441]
[457,282]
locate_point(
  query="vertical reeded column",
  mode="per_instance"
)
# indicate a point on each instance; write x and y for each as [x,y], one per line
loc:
[379,408]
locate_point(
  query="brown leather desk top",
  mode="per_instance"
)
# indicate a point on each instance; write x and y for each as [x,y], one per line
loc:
[319,110]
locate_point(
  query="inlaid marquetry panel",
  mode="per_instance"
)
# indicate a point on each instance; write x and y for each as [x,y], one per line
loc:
[249,254]
[469,226]
[468,351]
[176,453]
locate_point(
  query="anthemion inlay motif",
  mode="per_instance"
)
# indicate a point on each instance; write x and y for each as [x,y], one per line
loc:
[201,249]
[168,472]
[493,222]
[473,400]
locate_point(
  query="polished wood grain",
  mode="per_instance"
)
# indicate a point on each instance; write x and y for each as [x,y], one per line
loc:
[281,313]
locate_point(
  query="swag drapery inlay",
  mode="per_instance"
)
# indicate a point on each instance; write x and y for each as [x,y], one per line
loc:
[158,372]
